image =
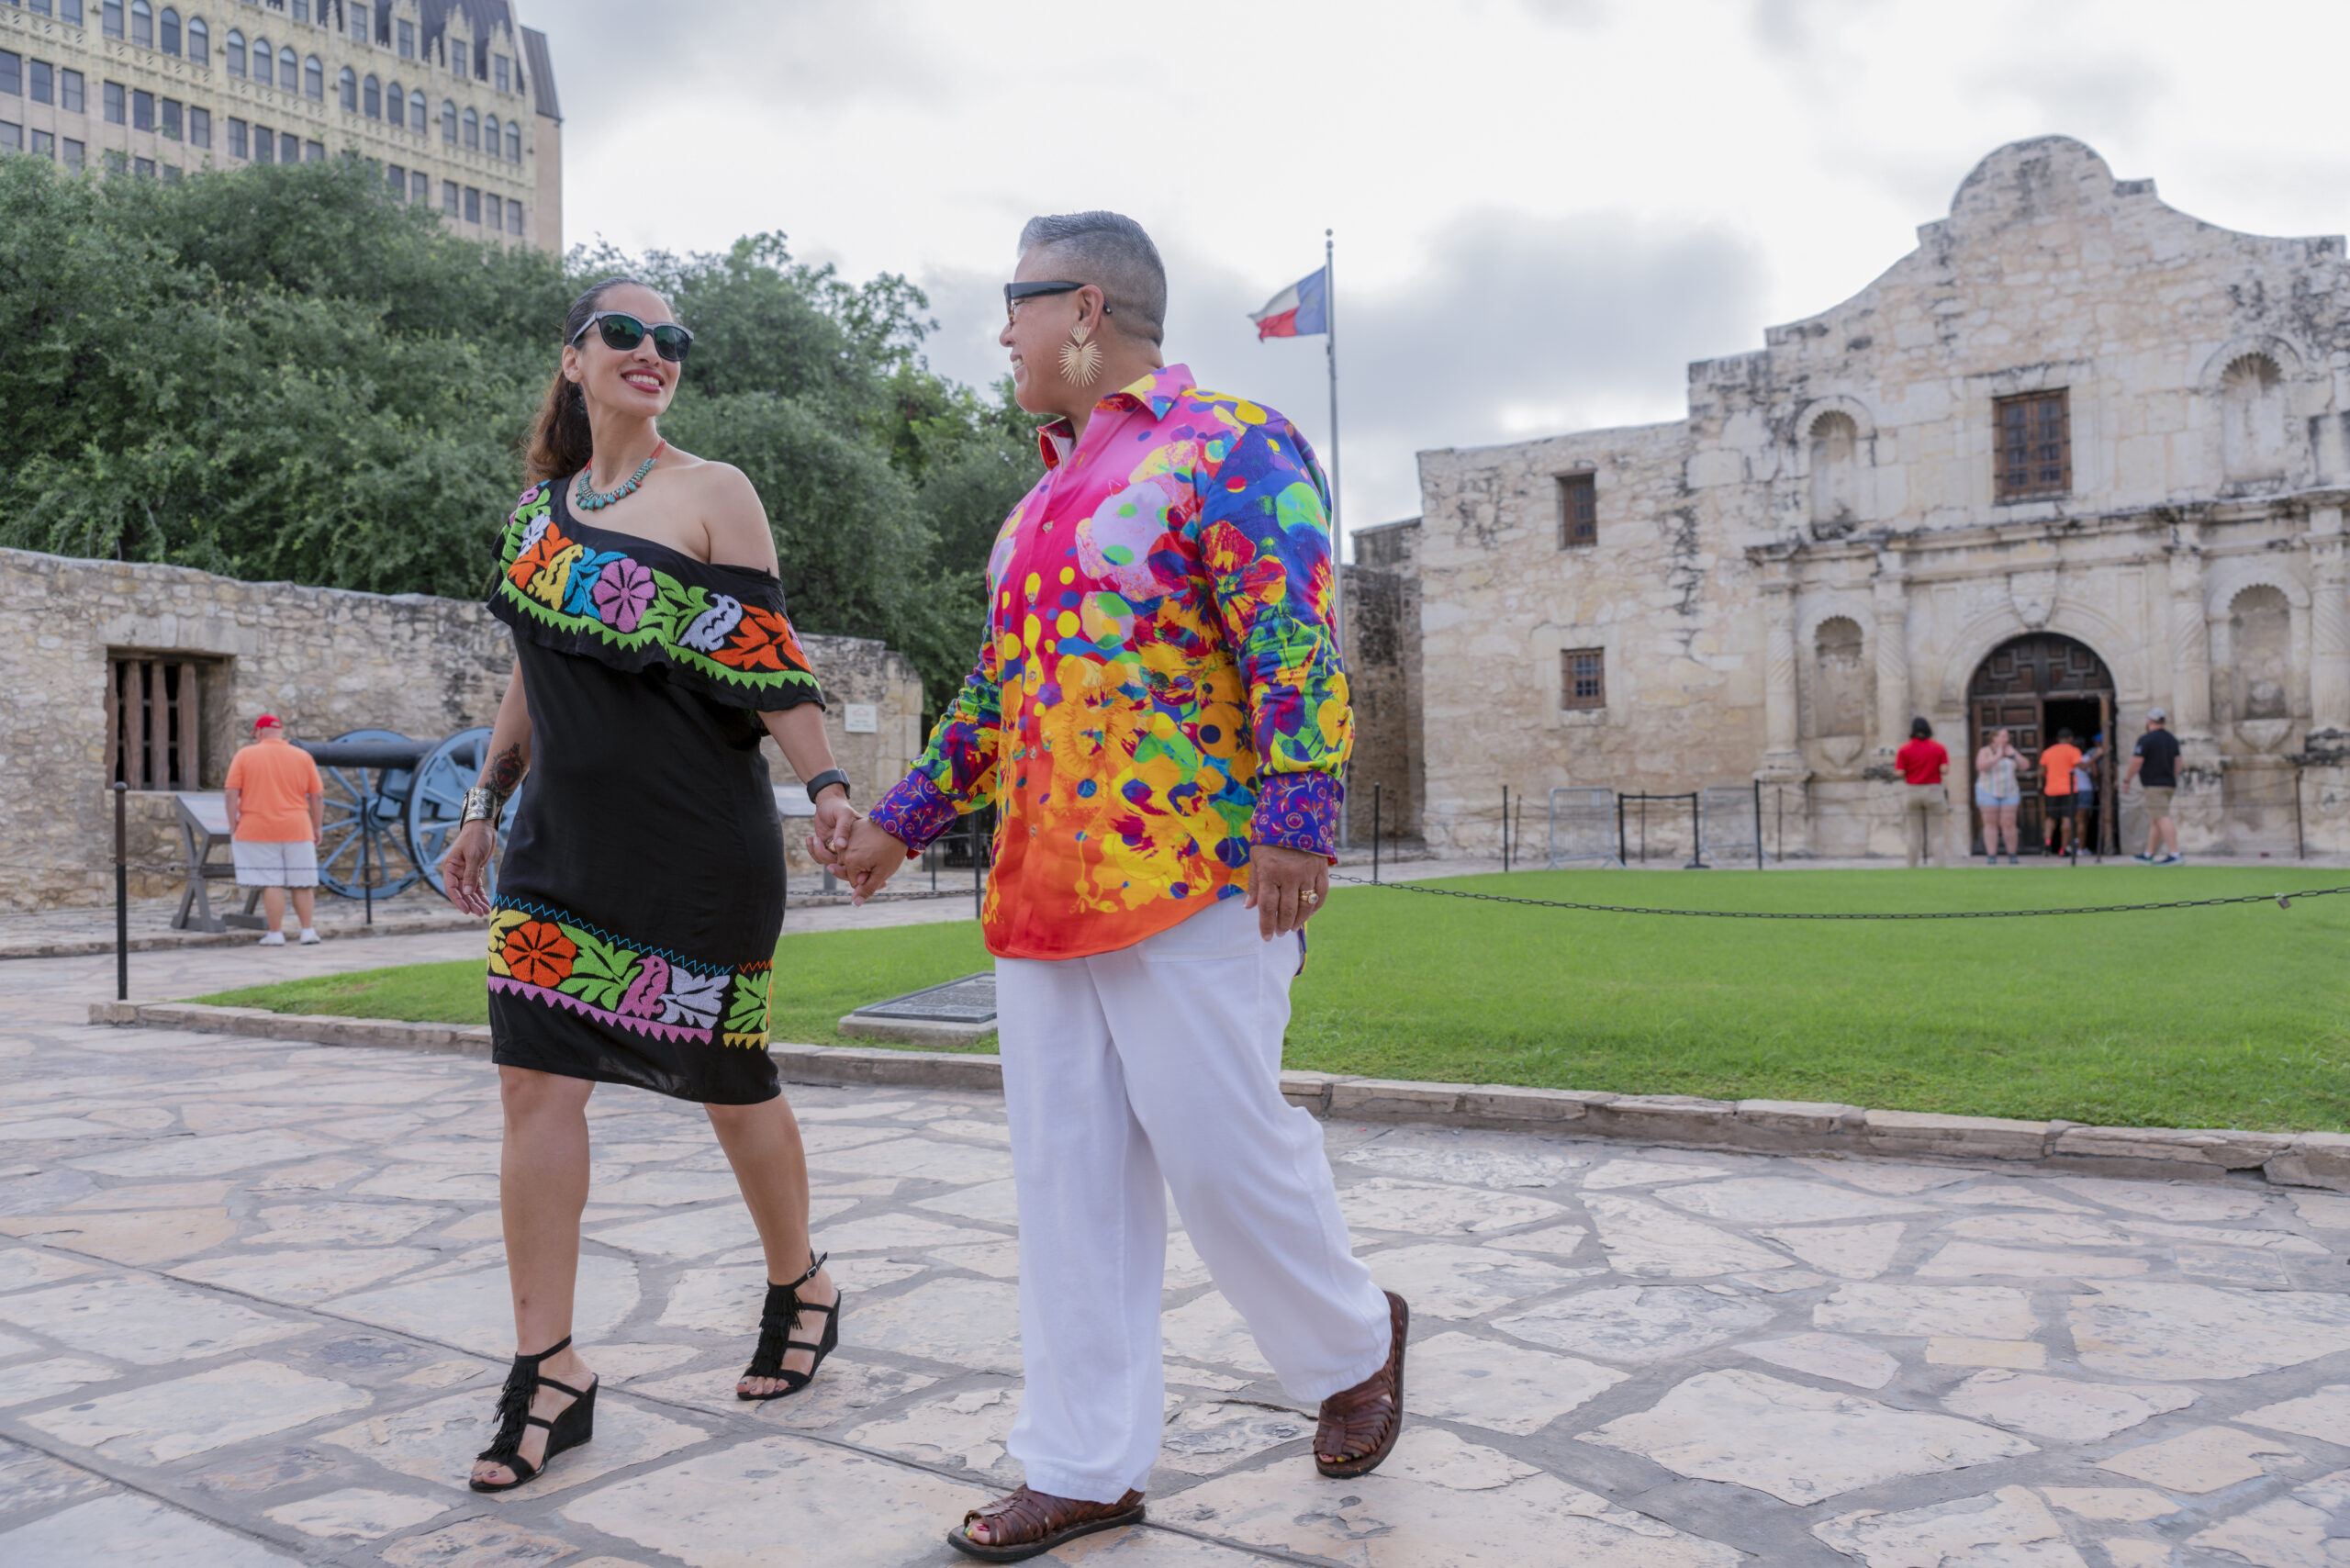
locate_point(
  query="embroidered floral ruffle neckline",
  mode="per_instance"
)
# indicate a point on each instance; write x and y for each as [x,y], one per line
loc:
[636,605]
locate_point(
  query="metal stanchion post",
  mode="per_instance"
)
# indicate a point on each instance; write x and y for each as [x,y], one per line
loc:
[122,892]
[2301,840]
[366,882]
[1622,859]
[1374,833]
[1758,825]
[1505,827]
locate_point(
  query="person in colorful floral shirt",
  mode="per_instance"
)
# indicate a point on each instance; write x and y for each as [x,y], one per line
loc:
[634,921]
[1160,717]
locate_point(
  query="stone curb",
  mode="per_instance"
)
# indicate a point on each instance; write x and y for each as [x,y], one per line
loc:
[1762,1126]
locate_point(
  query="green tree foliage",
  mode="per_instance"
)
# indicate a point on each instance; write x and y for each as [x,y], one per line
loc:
[279,373]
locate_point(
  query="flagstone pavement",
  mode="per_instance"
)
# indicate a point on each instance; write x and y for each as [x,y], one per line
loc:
[253,1310]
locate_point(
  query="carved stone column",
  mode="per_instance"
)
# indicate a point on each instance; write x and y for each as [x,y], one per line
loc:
[1893,707]
[2328,629]
[1779,753]
[2190,647]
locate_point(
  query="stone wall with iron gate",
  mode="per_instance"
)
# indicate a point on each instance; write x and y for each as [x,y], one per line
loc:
[79,639]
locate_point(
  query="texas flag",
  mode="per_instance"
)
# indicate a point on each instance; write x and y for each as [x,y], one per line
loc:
[1298,312]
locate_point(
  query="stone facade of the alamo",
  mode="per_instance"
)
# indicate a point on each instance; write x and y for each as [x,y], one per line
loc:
[2075,456]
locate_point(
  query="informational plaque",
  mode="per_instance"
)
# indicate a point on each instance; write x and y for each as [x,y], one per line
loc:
[861,718]
[971,1000]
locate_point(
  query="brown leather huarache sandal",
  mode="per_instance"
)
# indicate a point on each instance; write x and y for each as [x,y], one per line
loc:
[1035,1522]
[1361,1425]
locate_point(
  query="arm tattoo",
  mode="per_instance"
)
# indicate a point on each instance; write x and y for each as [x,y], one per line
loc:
[504,770]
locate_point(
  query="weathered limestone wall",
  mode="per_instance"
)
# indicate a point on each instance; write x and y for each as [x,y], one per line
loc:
[325,660]
[1820,550]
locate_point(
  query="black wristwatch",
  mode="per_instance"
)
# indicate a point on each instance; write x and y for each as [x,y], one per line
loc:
[825,780]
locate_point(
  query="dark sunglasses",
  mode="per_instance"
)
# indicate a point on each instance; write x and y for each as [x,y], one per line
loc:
[623,332]
[1013,293]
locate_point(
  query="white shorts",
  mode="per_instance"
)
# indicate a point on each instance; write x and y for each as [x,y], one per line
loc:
[266,864]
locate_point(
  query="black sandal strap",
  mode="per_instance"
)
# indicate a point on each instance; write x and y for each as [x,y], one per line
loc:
[513,1411]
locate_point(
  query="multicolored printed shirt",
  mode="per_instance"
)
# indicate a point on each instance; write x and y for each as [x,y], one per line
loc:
[1160,688]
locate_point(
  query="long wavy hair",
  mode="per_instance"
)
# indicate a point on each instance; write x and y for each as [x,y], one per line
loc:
[560,442]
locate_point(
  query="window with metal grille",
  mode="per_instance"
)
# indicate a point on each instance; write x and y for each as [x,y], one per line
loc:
[1578,511]
[2035,445]
[1583,678]
[154,722]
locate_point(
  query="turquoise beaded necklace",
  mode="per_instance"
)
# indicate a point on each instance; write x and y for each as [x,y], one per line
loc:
[586,499]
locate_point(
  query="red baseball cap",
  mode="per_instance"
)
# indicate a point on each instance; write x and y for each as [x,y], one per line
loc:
[268,722]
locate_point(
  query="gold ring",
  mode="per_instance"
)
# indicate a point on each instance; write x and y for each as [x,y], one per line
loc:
[1313,897]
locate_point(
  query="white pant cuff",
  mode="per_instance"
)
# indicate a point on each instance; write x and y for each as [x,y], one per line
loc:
[1074,1484]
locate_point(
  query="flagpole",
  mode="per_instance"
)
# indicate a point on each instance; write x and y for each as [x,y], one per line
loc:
[1337,538]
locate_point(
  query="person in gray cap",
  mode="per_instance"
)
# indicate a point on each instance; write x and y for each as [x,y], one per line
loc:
[2154,766]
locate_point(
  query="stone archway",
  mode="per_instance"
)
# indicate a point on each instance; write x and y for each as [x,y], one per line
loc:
[2032,686]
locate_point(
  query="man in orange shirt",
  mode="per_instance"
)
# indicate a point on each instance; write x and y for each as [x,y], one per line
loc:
[277,815]
[2056,764]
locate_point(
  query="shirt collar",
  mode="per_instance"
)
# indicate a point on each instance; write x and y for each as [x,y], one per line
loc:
[1159,391]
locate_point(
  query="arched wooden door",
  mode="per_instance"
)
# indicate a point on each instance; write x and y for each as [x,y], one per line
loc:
[2033,686]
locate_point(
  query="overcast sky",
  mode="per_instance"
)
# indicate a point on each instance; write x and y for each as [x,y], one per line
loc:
[1544,208]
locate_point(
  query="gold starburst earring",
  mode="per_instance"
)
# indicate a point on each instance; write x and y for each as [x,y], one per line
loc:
[1081,359]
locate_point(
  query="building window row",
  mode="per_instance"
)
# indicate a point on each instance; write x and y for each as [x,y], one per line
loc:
[259,144]
[65,10]
[41,81]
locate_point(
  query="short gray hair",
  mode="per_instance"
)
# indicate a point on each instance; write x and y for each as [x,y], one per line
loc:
[1111,251]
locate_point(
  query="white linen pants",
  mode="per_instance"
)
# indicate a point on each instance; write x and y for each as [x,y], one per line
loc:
[1159,1066]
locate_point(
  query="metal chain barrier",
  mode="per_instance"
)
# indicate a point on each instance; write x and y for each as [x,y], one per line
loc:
[2282,901]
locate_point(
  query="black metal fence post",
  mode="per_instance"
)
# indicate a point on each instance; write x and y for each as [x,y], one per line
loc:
[2301,842]
[366,878]
[1374,832]
[1505,827]
[1758,825]
[1621,857]
[1696,834]
[122,892]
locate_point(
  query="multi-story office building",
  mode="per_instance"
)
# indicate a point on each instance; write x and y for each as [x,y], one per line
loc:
[452,99]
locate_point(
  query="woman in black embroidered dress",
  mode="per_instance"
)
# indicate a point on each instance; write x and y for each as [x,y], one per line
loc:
[634,930]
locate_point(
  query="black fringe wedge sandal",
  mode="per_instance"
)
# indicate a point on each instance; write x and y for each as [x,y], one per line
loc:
[783,1305]
[573,1425]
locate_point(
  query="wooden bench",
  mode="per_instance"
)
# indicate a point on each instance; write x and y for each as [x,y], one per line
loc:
[204,827]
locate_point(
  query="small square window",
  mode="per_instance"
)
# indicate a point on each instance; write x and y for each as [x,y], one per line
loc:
[1578,511]
[117,160]
[2034,433]
[12,136]
[314,151]
[145,167]
[75,154]
[1583,678]
[44,145]
[171,173]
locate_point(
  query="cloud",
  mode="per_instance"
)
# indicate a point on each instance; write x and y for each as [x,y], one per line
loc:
[1513,327]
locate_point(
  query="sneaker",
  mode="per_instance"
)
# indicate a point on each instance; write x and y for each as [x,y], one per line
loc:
[2144,860]
[309,937]
[2015,860]
[273,940]
[2171,860]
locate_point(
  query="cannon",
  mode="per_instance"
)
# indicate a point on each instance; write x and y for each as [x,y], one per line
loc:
[391,804]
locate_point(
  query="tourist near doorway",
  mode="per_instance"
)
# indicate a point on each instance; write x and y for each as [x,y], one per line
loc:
[2033,686]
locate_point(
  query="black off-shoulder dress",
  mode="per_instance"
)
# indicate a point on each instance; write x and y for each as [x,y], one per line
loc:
[632,936]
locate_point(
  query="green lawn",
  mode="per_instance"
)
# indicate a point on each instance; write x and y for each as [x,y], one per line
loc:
[2212,1017]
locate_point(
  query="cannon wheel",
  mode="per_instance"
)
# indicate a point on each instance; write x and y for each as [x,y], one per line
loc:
[357,810]
[438,796]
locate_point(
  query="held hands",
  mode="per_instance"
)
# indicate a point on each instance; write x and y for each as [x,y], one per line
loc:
[834,818]
[1286,888]
[866,859]
[464,868]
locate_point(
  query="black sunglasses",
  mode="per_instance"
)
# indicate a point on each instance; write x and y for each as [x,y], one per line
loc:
[1013,293]
[623,332]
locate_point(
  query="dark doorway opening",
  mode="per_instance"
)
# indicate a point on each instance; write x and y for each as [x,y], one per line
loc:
[2033,686]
